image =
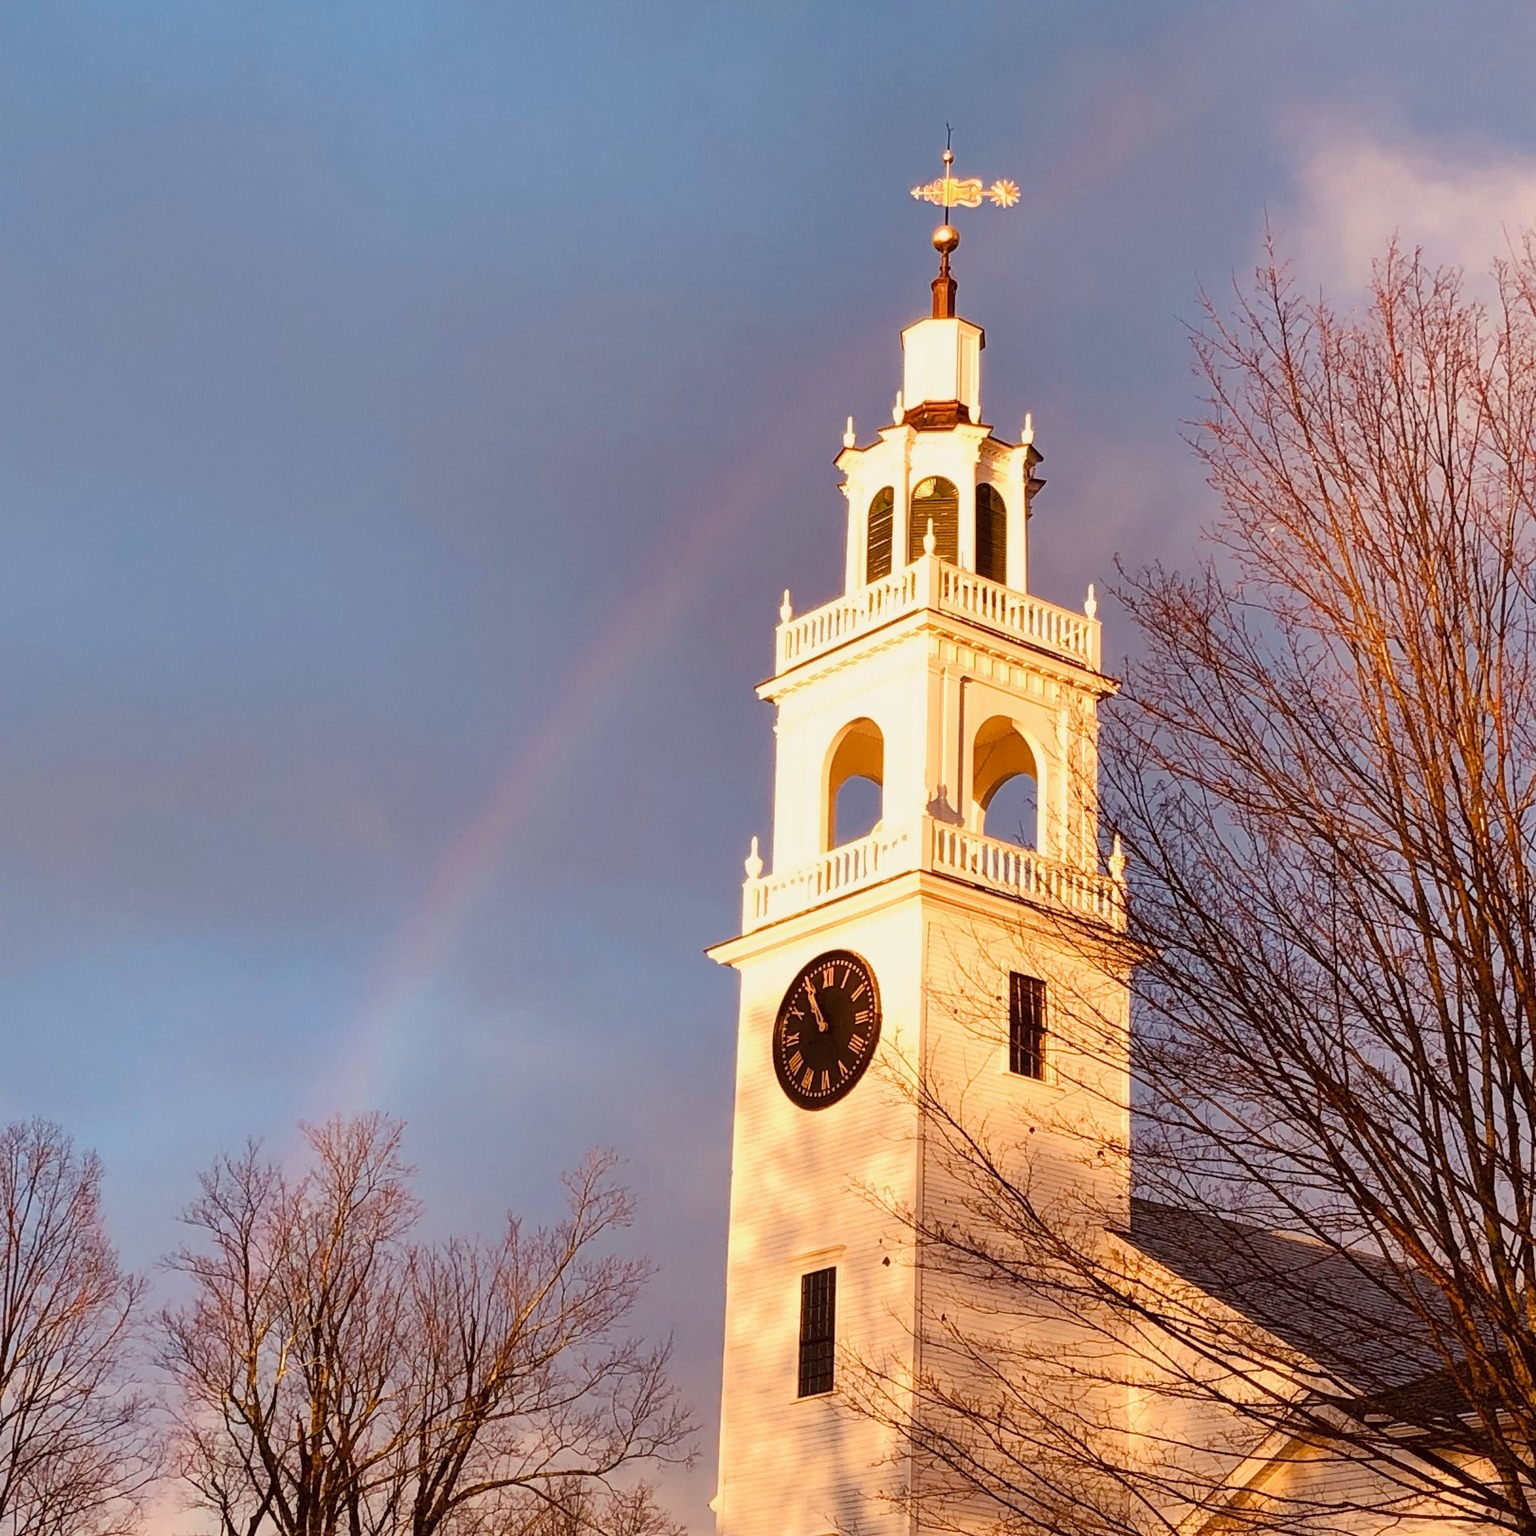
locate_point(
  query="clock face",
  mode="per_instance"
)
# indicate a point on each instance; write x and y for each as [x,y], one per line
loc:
[827,1029]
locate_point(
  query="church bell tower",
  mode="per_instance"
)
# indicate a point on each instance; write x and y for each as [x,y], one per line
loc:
[935,949]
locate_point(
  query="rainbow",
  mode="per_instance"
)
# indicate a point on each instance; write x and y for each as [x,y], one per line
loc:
[374,1044]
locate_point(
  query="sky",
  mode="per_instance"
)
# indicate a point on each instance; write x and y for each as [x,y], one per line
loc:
[410,415]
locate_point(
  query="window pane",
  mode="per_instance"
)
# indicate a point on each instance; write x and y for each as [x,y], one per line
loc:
[818,1330]
[1026,1025]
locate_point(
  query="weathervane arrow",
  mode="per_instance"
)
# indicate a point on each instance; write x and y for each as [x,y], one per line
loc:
[950,191]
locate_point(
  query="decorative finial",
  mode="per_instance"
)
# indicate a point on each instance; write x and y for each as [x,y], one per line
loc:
[1091,602]
[786,608]
[1027,436]
[929,542]
[849,438]
[950,192]
[899,410]
[1116,859]
[753,863]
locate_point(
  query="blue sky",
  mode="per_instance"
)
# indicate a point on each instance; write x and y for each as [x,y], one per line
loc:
[409,417]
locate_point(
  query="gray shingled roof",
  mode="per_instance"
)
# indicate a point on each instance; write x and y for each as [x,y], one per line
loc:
[1345,1311]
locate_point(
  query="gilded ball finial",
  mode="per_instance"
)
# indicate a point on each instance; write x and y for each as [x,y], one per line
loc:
[945,238]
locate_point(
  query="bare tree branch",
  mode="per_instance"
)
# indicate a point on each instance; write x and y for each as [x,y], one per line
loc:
[75,1448]
[334,1376]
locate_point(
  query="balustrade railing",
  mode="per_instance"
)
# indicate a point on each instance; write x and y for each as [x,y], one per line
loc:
[844,869]
[1022,872]
[933,583]
[1017,614]
[844,617]
[942,849]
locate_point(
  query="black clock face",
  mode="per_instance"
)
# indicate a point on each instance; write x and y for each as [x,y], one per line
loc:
[827,1029]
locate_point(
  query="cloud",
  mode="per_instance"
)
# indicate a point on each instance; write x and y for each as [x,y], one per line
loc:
[1464,206]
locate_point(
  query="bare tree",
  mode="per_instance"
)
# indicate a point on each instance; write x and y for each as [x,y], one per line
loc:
[74,1448]
[576,1507]
[333,1376]
[1320,1305]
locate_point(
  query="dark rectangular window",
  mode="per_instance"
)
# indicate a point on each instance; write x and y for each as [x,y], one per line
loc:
[818,1330]
[1026,1025]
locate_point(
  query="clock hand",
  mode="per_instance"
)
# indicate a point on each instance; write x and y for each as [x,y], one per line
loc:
[810,992]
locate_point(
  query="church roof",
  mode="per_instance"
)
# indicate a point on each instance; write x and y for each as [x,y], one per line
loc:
[1345,1311]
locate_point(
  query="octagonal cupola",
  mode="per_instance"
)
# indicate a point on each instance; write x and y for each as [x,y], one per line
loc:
[939,479]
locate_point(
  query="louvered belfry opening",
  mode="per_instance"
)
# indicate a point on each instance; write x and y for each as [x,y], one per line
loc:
[935,500]
[877,548]
[991,534]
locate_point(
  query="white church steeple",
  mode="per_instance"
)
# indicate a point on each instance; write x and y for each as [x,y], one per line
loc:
[926,940]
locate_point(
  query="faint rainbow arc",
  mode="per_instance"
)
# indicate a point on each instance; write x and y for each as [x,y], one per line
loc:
[466,868]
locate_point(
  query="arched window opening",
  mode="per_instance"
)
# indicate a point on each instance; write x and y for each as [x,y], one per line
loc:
[935,500]
[855,776]
[856,812]
[877,547]
[1013,812]
[1004,783]
[991,534]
